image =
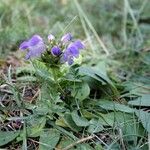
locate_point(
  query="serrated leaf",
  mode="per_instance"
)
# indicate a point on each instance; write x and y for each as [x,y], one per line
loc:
[49,139]
[79,121]
[42,71]
[25,69]
[27,79]
[7,136]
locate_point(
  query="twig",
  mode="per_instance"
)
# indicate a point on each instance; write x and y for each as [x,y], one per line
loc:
[40,143]
[101,141]
[121,139]
[78,142]
[6,91]
[36,94]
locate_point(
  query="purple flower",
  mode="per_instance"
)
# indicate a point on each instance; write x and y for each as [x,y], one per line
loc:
[69,54]
[55,51]
[78,44]
[72,52]
[35,45]
[51,37]
[66,38]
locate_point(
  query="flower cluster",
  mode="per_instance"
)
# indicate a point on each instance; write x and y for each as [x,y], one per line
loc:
[64,50]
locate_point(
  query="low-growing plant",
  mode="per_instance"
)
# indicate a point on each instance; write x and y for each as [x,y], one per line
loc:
[64,104]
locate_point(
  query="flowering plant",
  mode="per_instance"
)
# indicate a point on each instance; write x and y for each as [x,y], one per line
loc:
[55,56]
[56,52]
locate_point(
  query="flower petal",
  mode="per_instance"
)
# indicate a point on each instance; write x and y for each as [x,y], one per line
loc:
[70,61]
[28,55]
[51,37]
[73,51]
[35,46]
[24,45]
[77,44]
[66,38]
[35,51]
[35,39]
[55,51]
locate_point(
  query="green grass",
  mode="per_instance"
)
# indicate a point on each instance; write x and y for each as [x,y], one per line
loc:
[117,38]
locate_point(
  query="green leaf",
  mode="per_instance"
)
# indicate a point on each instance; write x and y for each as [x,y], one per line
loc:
[144,100]
[111,105]
[65,141]
[49,139]
[128,124]
[88,114]
[7,136]
[84,146]
[95,126]
[80,91]
[42,71]
[35,126]
[79,121]
[136,89]
[98,74]
[115,117]
[98,146]
[49,93]
[27,79]
[60,122]
[145,119]
[69,121]
[25,69]
[93,73]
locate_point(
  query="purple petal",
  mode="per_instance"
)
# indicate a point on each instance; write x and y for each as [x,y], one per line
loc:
[67,58]
[35,39]
[64,58]
[35,46]
[70,61]
[69,54]
[55,51]
[73,51]
[51,37]
[24,45]
[77,44]
[36,51]
[28,55]
[66,38]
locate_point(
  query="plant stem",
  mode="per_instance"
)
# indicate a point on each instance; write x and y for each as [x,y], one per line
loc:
[78,142]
